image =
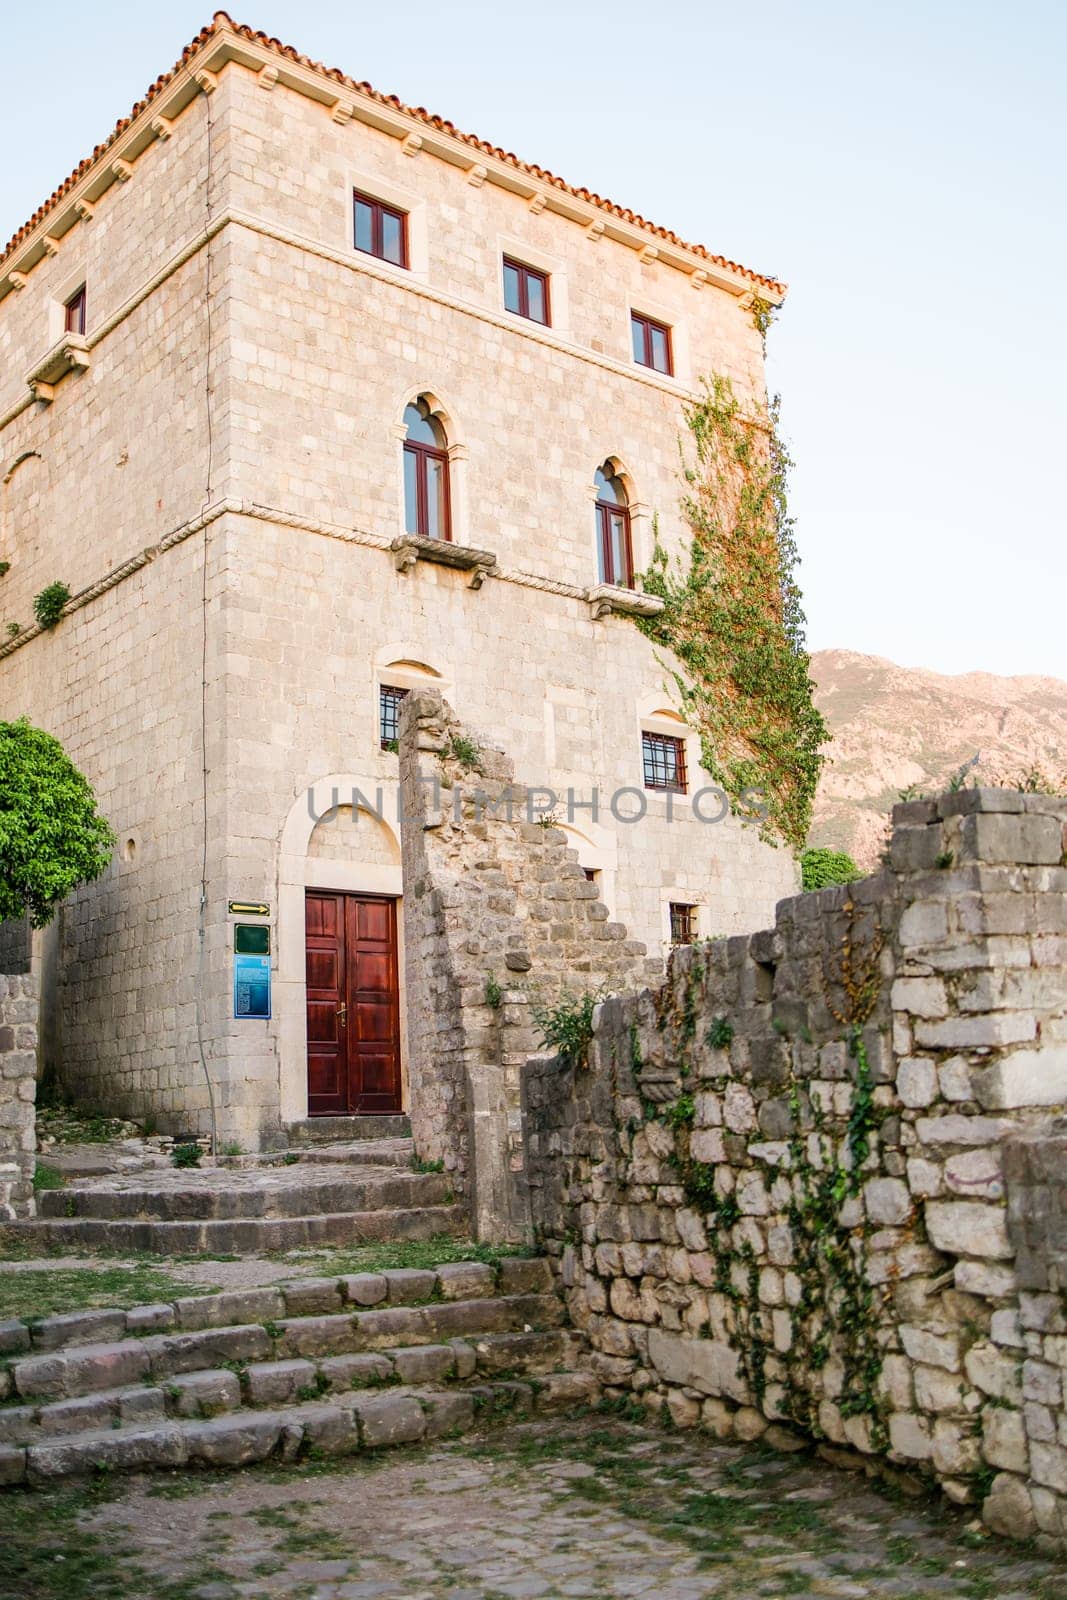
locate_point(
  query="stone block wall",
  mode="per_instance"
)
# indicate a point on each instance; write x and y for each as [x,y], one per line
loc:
[498,918]
[814,1185]
[18,1093]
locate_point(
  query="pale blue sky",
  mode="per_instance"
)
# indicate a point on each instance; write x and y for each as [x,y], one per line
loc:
[901,166]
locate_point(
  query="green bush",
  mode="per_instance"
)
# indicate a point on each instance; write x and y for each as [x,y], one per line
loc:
[820,868]
[52,837]
[48,605]
[185,1155]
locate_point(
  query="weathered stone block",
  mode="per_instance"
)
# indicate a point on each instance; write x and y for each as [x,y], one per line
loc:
[410,1285]
[389,1419]
[270,1383]
[1008,1509]
[968,1229]
[1004,1440]
[229,1309]
[705,1364]
[203,1394]
[1023,1078]
[79,1327]
[1025,839]
[462,1280]
[237,1440]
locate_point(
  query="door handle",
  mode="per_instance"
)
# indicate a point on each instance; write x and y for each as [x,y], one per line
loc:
[342,1015]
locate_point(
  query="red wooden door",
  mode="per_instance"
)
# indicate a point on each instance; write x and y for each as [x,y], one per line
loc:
[353,1004]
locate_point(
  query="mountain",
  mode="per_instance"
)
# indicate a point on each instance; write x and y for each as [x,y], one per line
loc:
[901,727]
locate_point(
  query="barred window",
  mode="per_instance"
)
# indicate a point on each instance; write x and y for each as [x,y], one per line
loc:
[664,762]
[389,701]
[683,923]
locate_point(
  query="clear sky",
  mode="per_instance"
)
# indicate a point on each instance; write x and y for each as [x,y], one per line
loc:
[900,165]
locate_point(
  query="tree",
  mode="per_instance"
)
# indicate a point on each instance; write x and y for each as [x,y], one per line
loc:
[820,868]
[52,838]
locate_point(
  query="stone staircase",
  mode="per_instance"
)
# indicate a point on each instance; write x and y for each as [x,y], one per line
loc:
[343,1180]
[333,1196]
[326,1366]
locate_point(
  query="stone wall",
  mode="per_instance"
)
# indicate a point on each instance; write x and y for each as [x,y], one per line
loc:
[788,1190]
[18,1093]
[498,918]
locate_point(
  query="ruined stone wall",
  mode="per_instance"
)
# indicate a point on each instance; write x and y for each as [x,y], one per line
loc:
[813,1185]
[18,1092]
[498,919]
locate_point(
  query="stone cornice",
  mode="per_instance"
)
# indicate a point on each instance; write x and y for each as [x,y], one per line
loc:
[225,45]
[283,519]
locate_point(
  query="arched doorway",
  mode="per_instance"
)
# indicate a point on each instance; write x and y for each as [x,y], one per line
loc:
[340,1007]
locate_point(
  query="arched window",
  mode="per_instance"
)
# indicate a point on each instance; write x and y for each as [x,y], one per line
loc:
[426,508]
[613,530]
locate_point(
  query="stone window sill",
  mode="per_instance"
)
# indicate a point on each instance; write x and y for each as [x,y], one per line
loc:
[71,354]
[409,549]
[605,600]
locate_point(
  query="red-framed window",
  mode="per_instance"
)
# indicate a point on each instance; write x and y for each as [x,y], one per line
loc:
[526,291]
[652,343]
[380,230]
[663,759]
[614,552]
[683,922]
[390,699]
[74,313]
[427,512]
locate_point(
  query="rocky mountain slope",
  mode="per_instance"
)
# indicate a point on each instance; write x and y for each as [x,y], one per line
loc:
[896,727]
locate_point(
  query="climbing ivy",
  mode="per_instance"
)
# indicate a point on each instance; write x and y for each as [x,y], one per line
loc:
[734,619]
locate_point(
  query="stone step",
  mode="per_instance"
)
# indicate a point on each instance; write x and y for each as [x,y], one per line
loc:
[76,1370]
[264,1236]
[347,1423]
[213,1391]
[404,1286]
[327,1130]
[385,1151]
[231,1195]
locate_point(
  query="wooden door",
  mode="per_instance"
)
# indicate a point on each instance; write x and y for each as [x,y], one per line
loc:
[353,1004]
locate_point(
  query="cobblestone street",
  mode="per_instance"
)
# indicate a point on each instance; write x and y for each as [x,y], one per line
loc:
[597,1509]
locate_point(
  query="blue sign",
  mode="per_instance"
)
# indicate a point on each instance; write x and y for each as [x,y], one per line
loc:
[251,986]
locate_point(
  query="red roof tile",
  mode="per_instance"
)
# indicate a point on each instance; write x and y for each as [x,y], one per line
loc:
[222,21]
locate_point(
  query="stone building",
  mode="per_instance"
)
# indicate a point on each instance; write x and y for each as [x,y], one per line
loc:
[311,399]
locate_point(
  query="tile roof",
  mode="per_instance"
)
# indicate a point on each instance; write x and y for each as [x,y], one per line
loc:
[222,22]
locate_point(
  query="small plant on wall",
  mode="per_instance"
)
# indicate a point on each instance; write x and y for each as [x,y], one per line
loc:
[48,605]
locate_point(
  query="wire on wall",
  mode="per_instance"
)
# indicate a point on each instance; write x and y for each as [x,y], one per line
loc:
[202,919]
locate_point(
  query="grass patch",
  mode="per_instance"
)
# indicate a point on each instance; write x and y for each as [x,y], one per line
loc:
[48,1548]
[46,1177]
[390,1255]
[50,1290]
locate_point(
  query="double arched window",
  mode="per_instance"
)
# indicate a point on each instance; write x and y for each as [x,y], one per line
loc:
[614,553]
[427,512]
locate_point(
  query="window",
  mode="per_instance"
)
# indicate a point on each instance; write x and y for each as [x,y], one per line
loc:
[683,923]
[613,530]
[663,758]
[591,874]
[380,230]
[526,291]
[74,313]
[426,507]
[389,703]
[652,343]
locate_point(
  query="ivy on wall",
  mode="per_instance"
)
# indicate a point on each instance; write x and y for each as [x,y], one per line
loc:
[734,619]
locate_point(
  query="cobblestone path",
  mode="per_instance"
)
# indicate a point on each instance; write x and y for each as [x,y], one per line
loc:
[591,1509]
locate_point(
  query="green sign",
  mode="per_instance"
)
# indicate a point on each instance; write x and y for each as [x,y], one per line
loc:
[251,939]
